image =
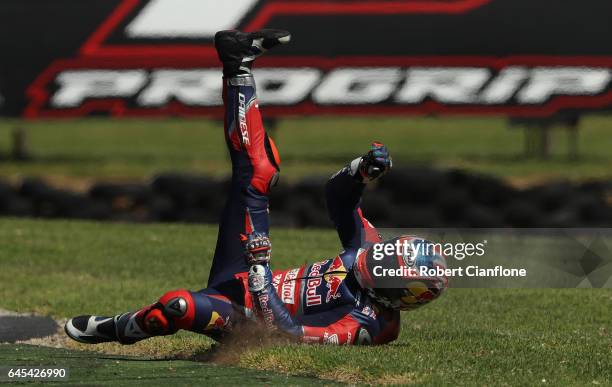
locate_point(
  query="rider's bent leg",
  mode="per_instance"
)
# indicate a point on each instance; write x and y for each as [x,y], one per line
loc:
[206,312]
[179,309]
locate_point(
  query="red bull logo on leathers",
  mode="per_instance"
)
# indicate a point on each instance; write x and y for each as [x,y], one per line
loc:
[312,298]
[335,274]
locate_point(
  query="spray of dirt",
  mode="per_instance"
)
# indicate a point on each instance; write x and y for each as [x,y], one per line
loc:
[243,338]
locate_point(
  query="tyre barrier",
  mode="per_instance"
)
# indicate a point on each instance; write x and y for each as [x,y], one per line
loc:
[410,197]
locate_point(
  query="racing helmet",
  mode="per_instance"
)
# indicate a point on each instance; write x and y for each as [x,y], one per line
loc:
[402,278]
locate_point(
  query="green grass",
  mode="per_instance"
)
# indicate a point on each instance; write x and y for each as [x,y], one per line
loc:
[91,369]
[76,150]
[468,337]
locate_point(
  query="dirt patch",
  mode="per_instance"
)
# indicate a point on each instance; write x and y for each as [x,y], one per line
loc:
[25,328]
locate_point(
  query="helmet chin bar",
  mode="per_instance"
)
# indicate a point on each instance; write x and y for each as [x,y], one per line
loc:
[408,298]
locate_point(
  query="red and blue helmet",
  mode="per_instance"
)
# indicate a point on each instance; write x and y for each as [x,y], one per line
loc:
[404,278]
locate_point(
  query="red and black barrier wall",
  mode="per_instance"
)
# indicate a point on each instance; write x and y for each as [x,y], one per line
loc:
[129,58]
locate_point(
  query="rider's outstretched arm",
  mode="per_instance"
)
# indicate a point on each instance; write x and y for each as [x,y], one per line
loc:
[344,192]
[343,195]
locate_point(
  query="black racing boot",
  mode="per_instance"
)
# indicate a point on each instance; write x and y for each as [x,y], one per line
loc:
[237,50]
[123,328]
[92,329]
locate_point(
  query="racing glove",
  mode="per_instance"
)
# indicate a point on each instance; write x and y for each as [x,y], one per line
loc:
[266,300]
[257,248]
[373,164]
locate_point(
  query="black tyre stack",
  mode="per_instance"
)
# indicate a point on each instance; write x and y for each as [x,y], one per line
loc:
[409,197]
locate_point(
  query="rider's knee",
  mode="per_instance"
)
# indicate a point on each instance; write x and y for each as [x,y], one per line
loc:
[266,169]
[265,176]
[175,310]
